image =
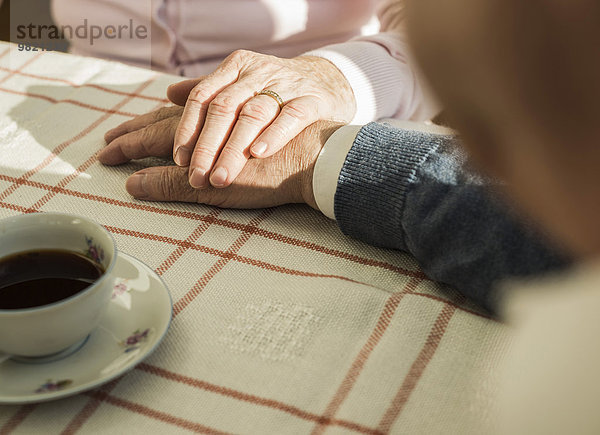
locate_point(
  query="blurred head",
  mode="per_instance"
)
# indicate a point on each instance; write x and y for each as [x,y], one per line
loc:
[520,80]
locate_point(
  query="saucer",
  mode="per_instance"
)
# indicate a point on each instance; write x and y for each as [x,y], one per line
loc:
[133,325]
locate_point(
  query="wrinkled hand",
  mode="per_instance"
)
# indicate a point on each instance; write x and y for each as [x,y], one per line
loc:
[146,135]
[225,121]
[283,178]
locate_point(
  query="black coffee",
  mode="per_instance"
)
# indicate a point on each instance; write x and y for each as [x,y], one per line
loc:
[36,278]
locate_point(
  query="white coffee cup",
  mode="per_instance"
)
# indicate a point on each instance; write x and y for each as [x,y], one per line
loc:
[49,329]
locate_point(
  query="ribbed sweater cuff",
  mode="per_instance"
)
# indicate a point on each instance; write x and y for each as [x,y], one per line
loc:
[374,180]
[383,86]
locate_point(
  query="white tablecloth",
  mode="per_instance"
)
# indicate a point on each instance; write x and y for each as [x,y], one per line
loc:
[281,323]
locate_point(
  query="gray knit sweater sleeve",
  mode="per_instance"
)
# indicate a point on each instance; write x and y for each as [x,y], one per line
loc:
[414,191]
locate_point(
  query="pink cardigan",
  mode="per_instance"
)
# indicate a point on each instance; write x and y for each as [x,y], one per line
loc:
[191,37]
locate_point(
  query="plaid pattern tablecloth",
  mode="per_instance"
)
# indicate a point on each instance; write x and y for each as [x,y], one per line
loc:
[281,323]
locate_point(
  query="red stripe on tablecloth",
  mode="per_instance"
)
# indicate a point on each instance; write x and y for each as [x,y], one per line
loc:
[454,304]
[4,53]
[60,148]
[176,255]
[84,85]
[153,413]
[16,419]
[62,183]
[78,171]
[250,398]
[417,369]
[18,208]
[74,102]
[189,297]
[25,64]
[224,223]
[287,271]
[350,379]
[227,255]
[114,91]
[82,416]
[339,254]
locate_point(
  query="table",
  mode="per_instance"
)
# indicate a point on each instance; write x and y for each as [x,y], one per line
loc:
[281,323]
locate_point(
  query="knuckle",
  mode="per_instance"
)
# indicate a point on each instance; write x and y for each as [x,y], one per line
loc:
[146,143]
[145,136]
[169,184]
[254,113]
[198,95]
[222,105]
[164,184]
[214,197]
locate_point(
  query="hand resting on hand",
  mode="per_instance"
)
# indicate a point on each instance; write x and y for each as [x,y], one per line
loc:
[285,177]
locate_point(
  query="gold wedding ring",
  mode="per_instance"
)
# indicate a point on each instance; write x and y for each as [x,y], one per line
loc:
[273,95]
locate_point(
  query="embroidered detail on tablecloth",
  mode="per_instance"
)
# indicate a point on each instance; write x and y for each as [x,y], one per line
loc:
[272,330]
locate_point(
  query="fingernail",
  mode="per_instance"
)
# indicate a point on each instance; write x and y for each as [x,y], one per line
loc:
[219,177]
[100,155]
[198,178]
[103,156]
[110,135]
[259,149]
[135,185]
[183,156]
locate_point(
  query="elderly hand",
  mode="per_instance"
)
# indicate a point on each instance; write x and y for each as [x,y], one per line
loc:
[225,119]
[146,135]
[283,178]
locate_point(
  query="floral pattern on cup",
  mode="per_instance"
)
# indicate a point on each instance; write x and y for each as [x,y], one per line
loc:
[51,386]
[133,341]
[93,251]
[120,288]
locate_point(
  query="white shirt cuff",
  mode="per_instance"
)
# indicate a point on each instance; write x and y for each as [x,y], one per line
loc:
[329,165]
